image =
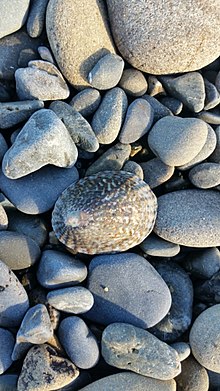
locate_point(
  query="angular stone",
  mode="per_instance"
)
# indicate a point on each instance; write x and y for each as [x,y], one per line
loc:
[13,16]
[133,82]
[205,175]
[156,172]
[86,101]
[36,18]
[157,247]
[76,300]
[107,72]
[7,344]
[12,113]
[193,376]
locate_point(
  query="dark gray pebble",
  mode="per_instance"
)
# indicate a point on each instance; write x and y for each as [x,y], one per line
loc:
[7,344]
[175,105]
[193,376]
[12,113]
[160,110]
[133,82]
[8,382]
[156,172]
[203,263]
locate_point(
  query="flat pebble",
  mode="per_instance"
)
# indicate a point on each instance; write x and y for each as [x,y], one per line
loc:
[86,101]
[154,86]
[32,148]
[211,117]
[142,304]
[109,116]
[177,140]
[174,104]
[138,121]
[133,82]
[107,72]
[215,156]
[182,348]
[78,127]
[59,270]
[43,369]
[36,17]
[189,218]
[45,53]
[212,97]
[134,167]
[127,347]
[12,113]
[7,343]
[8,382]
[13,298]
[203,338]
[156,172]
[157,247]
[3,219]
[203,264]
[36,193]
[193,376]
[76,300]
[13,16]
[205,175]
[160,110]
[79,343]
[40,80]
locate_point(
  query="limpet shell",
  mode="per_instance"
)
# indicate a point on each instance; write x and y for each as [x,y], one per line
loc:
[110,211]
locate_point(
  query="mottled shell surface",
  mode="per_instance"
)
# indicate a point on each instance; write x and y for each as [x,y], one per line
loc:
[110,211]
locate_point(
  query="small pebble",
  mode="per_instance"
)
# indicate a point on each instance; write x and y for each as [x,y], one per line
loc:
[7,342]
[134,167]
[156,172]
[35,21]
[193,376]
[12,113]
[107,72]
[212,97]
[86,102]
[160,110]
[133,82]
[154,86]
[45,53]
[76,300]
[215,156]
[205,175]
[203,263]
[157,247]
[175,105]
[182,348]
[211,117]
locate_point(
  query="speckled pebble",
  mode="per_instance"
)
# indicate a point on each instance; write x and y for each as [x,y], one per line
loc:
[156,172]
[205,175]
[76,300]
[107,72]
[86,102]
[36,17]
[134,167]
[133,82]
[182,348]
[203,264]
[12,113]
[157,247]
[7,342]
[193,377]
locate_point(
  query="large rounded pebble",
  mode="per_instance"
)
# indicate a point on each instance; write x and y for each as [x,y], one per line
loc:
[133,82]
[215,156]
[156,172]
[189,217]
[182,348]
[160,110]
[76,300]
[79,343]
[3,219]
[193,376]
[203,338]
[203,264]
[36,193]
[211,117]
[40,80]
[43,370]
[109,116]
[126,288]
[205,175]
[13,298]
[8,382]
[58,270]
[157,247]
[177,140]
[212,98]
[86,102]
[138,121]
[36,17]
[33,149]
[13,15]
[12,113]
[134,167]
[7,344]
[127,347]
[18,251]
[130,381]
[79,36]
[107,72]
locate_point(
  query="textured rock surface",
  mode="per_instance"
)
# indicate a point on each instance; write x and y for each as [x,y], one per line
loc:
[13,15]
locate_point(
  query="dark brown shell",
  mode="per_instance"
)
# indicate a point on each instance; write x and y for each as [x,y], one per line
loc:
[110,211]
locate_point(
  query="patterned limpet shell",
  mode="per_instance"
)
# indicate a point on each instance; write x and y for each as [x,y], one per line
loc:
[110,211]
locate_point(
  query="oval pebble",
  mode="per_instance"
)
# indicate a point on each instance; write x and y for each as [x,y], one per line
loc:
[211,117]
[205,175]
[182,348]
[36,17]
[193,376]
[107,72]
[77,300]
[157,247]
[133,82]
[86,101]
[156,172]
[134,167]
[7,342]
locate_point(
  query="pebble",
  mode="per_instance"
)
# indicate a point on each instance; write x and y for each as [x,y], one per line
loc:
[208,291]
[30,149]
[156,172]
[212,97]
[193,376]
[12,113]
[142,304]
[215,156]
[130,381]
[78,127]
[160,110]
[40,80]
[107,72]
[127,347]
[157,247]
[45,53]
[188,88]
[160,40]
[3,146]
[108,118]
[86,102]
[76,300]
[3,219]
[36,193]
[7,344]
[5,91]
[134,167]
[113,159]
[175,105]
[133,82]
[35,21]
[214,381]
[138,121]
[13,16]
[59,270]
[8,382]
[68,24]
[154,86]
[13,298]
[43,369]
[203,264]
[79,343]
[182,348]
[211,117]
[176,141]
[203,338]
[189,218]
[179,318]
[217,81]
[205,175]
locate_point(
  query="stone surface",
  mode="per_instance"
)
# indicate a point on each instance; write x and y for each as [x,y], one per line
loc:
[76,300]
[43,369]
[193,376]
[45,53]
[133,167]
[78,127]
[138,121]
[8,382]
[86,101]
[12,113]
[67,26]
[208,291]
[156,172]
[154,86]
[40,80]
[176,141]
[205,175]
[175,105]
[203,338]
[36,17]
[133,82]
[215,156]
[203,264]
[127,347]
[211,117]
[13,298]
[3,146]
[59,270]
[119,298]
[36,193]
[107,72]
[109,116]
[7,343]
[157,247]
[3,219]
[33,148]
[182,348]
[189,218]
[212,98]
[160,110]
[159,40]
[79,343]
[13,16]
